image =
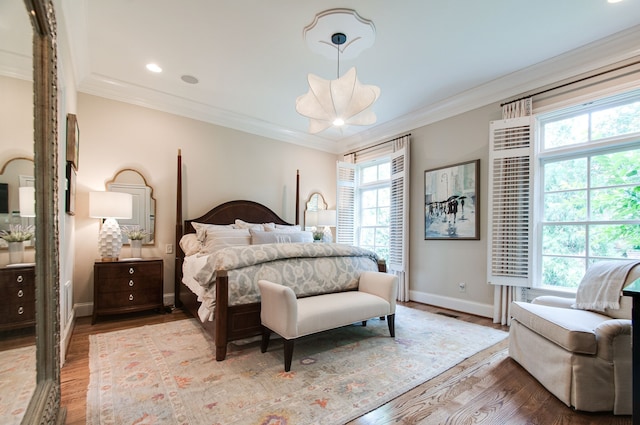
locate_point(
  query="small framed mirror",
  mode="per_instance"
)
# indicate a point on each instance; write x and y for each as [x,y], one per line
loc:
[315,203]
[144,205]
[17,196]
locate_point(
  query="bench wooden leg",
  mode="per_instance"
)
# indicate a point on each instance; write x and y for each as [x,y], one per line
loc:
[264,344]
[288,354]
[391,321]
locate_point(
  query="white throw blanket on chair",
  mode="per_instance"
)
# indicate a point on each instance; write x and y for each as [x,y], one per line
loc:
[602,284]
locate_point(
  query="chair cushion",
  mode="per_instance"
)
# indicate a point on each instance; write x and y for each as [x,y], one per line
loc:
[573,330]
[329,311]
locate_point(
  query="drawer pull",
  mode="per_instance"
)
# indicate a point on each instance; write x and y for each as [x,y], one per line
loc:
[20,279]
[130,297]
[131,270]
[131,282]
[20,310]
[20,293]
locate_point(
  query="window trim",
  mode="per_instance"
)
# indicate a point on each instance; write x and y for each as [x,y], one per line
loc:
[586,149]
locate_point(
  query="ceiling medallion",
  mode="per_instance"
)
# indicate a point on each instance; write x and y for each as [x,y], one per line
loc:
[344,100]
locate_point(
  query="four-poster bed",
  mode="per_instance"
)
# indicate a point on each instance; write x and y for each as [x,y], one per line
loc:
[211,292]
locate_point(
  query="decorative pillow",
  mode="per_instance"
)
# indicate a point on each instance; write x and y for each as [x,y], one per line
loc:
[218,239]
[201,229]
[240,224]
[285,228]
[190,244]
[258,237]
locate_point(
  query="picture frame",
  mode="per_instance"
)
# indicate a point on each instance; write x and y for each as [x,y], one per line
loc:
[73,140]
[452,202]
[70,192]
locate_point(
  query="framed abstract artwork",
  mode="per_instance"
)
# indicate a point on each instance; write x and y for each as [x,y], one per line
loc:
[451,202]
[70,192]
[73,140]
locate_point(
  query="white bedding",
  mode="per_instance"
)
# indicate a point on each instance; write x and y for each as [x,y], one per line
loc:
[308,268]
[191,265]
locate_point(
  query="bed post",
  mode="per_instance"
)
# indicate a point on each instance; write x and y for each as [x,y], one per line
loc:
[221,314]
[297,198]
[179,254]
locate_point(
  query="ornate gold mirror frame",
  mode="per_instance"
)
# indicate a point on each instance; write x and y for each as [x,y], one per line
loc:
[44,407]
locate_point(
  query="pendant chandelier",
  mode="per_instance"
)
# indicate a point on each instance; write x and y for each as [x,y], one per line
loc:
[343,101]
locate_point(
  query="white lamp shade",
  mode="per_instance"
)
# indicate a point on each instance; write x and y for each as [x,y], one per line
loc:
[345,99]
[27,201]
[326,218]
[110,205]
[311,218]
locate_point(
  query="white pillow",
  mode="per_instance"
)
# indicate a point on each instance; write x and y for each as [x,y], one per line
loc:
[190,244]
[286,228]
[201,229]
[258,237]
[218,239]
[240,224]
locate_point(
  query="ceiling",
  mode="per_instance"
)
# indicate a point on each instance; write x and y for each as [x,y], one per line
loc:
[431,59]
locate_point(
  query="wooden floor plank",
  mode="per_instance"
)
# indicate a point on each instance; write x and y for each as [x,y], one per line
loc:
[487,388]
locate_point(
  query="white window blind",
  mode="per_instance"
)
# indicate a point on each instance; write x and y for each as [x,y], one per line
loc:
[510,197]
[399,212]
[345,203]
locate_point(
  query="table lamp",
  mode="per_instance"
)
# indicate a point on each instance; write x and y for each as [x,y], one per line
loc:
[327,219]
[110,206]
[27,201]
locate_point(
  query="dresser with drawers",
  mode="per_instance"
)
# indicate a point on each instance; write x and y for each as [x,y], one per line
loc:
[126,286]
[17,297]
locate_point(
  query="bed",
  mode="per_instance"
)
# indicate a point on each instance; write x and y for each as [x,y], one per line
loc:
[207,284]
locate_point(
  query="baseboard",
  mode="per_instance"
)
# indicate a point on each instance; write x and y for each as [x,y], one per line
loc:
[465,306]
[65,338]
[86,309]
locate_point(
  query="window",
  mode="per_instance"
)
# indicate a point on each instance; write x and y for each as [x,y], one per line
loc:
[373,206]
[589,164]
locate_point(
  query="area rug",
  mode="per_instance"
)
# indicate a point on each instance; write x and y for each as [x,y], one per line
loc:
[167,373]
[17,382]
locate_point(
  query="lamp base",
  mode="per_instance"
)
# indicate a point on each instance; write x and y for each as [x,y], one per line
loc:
[110,241]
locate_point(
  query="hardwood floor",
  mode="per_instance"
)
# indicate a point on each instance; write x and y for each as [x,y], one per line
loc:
[488,388]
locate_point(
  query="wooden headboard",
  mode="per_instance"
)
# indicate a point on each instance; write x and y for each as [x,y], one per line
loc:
[227,213]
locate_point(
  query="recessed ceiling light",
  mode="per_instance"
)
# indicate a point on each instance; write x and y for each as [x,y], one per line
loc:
[614,1]
[153,67]
[189,79]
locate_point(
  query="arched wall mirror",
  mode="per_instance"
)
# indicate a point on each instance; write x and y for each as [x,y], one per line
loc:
[144,205]
[17,197]
[315,203]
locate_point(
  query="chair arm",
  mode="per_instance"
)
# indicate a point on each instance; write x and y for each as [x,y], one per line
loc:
[383,285]
[279,308]
[554,301]
[606,334]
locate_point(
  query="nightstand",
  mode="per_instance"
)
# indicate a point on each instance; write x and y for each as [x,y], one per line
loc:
[126,286]
[17,297]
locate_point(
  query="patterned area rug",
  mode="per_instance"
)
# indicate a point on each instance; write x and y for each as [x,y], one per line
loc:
[167,373]
[17,382]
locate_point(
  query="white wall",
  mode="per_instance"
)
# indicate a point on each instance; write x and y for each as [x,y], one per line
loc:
[219,164]
[438,266]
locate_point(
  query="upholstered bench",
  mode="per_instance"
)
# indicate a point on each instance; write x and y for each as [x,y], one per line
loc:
[291,317]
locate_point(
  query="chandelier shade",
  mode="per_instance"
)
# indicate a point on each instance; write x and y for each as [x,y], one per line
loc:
[345,99]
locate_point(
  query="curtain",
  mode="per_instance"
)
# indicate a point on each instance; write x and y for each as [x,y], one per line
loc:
[510,199]
[398,152]
[503,295]
[399,216]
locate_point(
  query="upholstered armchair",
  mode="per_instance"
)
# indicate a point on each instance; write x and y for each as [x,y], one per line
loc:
[581,356]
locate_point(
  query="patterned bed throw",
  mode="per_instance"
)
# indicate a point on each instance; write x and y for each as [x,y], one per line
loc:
[308,268]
